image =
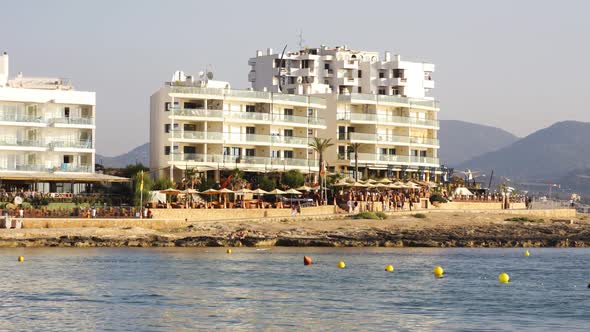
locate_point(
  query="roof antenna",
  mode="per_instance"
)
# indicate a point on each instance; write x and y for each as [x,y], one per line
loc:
[301,40]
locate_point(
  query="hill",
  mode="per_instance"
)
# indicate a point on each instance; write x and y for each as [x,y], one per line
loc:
[549,153]
[461,141]
[140,154]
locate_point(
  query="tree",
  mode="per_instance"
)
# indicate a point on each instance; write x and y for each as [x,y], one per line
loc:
[354,147]
[320,145]
[162,183]
[266,183]
[132,170]
[293,178]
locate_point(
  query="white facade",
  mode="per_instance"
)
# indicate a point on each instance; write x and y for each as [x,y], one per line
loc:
[384,104]
[207,127]
[45,126]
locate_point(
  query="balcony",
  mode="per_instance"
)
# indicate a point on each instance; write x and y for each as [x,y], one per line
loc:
[19,117]
[364,98]
[244,161]
[51,167]
[198,136]
[289,140]
[383,158]
[386,119]
[70,121]
[13,141]
[219,115]
[70,144]
[239,138]
[390,139]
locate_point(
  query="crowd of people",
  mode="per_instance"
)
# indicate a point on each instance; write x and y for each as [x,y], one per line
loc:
[389,200]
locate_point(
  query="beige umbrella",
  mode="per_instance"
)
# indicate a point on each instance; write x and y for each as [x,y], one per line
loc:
[210,192]
[397,185]
[385,181]
[304,188]
[412,185]
[190,191]
[371,181]
[276,192]
[259,192]
[170,191]
[244,191]
[381,185]
[357,185]
[293,192]
[341,184]
[225,191]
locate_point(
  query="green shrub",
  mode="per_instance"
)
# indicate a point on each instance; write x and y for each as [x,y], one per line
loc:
[370,215]
[419,215]
[293,178]
[267,183]
[438,198]
[523,219]
[381,215]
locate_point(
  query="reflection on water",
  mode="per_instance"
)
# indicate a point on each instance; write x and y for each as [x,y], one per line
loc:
[186,289]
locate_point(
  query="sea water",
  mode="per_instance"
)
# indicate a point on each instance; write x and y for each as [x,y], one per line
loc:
[61,289]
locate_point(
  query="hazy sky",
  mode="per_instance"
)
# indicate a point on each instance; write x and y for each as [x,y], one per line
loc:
[517,65]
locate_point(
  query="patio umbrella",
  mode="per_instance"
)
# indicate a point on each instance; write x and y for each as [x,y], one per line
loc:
[170,191]
[357,185]
[381,185]
[276,192]
[190,191]
[385,181]
[304,188]
[341,184]
[397,185]
[371,181]
[259,192]
[244,191]
[210,192]
[293,192]
[225,192]
[412,185]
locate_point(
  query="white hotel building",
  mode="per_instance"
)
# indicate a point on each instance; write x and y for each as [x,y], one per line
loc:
[382,103]
[47,134]
[205,126]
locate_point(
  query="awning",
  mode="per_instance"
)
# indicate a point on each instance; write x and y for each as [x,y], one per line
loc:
[61,177]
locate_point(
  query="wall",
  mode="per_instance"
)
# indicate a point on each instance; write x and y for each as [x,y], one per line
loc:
[225,214]
[476,206]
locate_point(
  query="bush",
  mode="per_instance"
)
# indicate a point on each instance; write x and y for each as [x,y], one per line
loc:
[162,183]
[524,219]
[419,215]
[293,178]
[267,183]
[370,215]
[381,215]
[438,198]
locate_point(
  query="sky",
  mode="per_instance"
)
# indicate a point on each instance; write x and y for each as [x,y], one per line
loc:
[516,65]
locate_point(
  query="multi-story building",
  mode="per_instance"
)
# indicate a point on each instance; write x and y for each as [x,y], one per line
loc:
[205,126]
[47,133]
[384,105]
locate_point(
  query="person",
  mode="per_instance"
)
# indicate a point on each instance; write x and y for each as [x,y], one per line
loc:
[93,212]
[530,203]
[299,208]
[293,210]
[149,214]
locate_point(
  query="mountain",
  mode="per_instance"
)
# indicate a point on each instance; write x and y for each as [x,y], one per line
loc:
[140,154]
[461,141]
[549,153]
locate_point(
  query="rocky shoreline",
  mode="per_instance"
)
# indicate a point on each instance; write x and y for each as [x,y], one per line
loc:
[403,232]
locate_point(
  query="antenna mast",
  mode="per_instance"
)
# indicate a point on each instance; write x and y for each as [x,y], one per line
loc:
[301,40]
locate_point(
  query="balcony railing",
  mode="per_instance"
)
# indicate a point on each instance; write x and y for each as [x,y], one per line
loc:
[240,137]
[267,96]
[19,117]
[77,144]
[244,160]
[376,138]
[64,167]
[198,135]
[251,116]
[384,99]
[46,143]
[369,157]
[383,118]
[13,141]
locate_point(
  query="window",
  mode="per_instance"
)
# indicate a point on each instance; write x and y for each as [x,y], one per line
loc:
[309,132]
[167,106]
[250,152]
[428,75]
[250,130]
[167,150]
[68,159]
[414,153]
[360,90]
[381,91]
[288,132]
[67,112]
[189,127]
[288,111]
[250,108]
[288,154]
[305,64]
[341,132]
[381,74]
[167,128]
[327,82]
[392,152]
[276,154]
[422,153]
[395,91]
[326,66]
[360,74]
[189,149]
[383,151]
[190,105]
[398,73]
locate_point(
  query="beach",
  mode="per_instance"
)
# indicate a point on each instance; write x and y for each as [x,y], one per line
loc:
[440,229]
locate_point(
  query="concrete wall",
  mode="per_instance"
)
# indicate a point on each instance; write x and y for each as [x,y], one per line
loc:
[226,214]
[476,206]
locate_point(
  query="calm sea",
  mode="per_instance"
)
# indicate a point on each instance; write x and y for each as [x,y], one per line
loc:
[60,289]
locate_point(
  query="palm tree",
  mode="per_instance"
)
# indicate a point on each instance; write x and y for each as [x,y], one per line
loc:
[320,145]
[354,147]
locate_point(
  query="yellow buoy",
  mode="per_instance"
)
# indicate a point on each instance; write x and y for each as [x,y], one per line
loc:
[527,253]
[229,251]
[21,259]
[341,265]
[438,272]
[389,268]
[504,278]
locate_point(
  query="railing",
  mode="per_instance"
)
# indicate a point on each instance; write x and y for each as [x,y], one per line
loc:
[369,157]
[248,160]
[64,167]
[40,119]
[81,144]
[240,137]
[13,141]
[379,99]
[383,118]
[267,96]
[200,135]
[390,138]
[289,140]
[256,116]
